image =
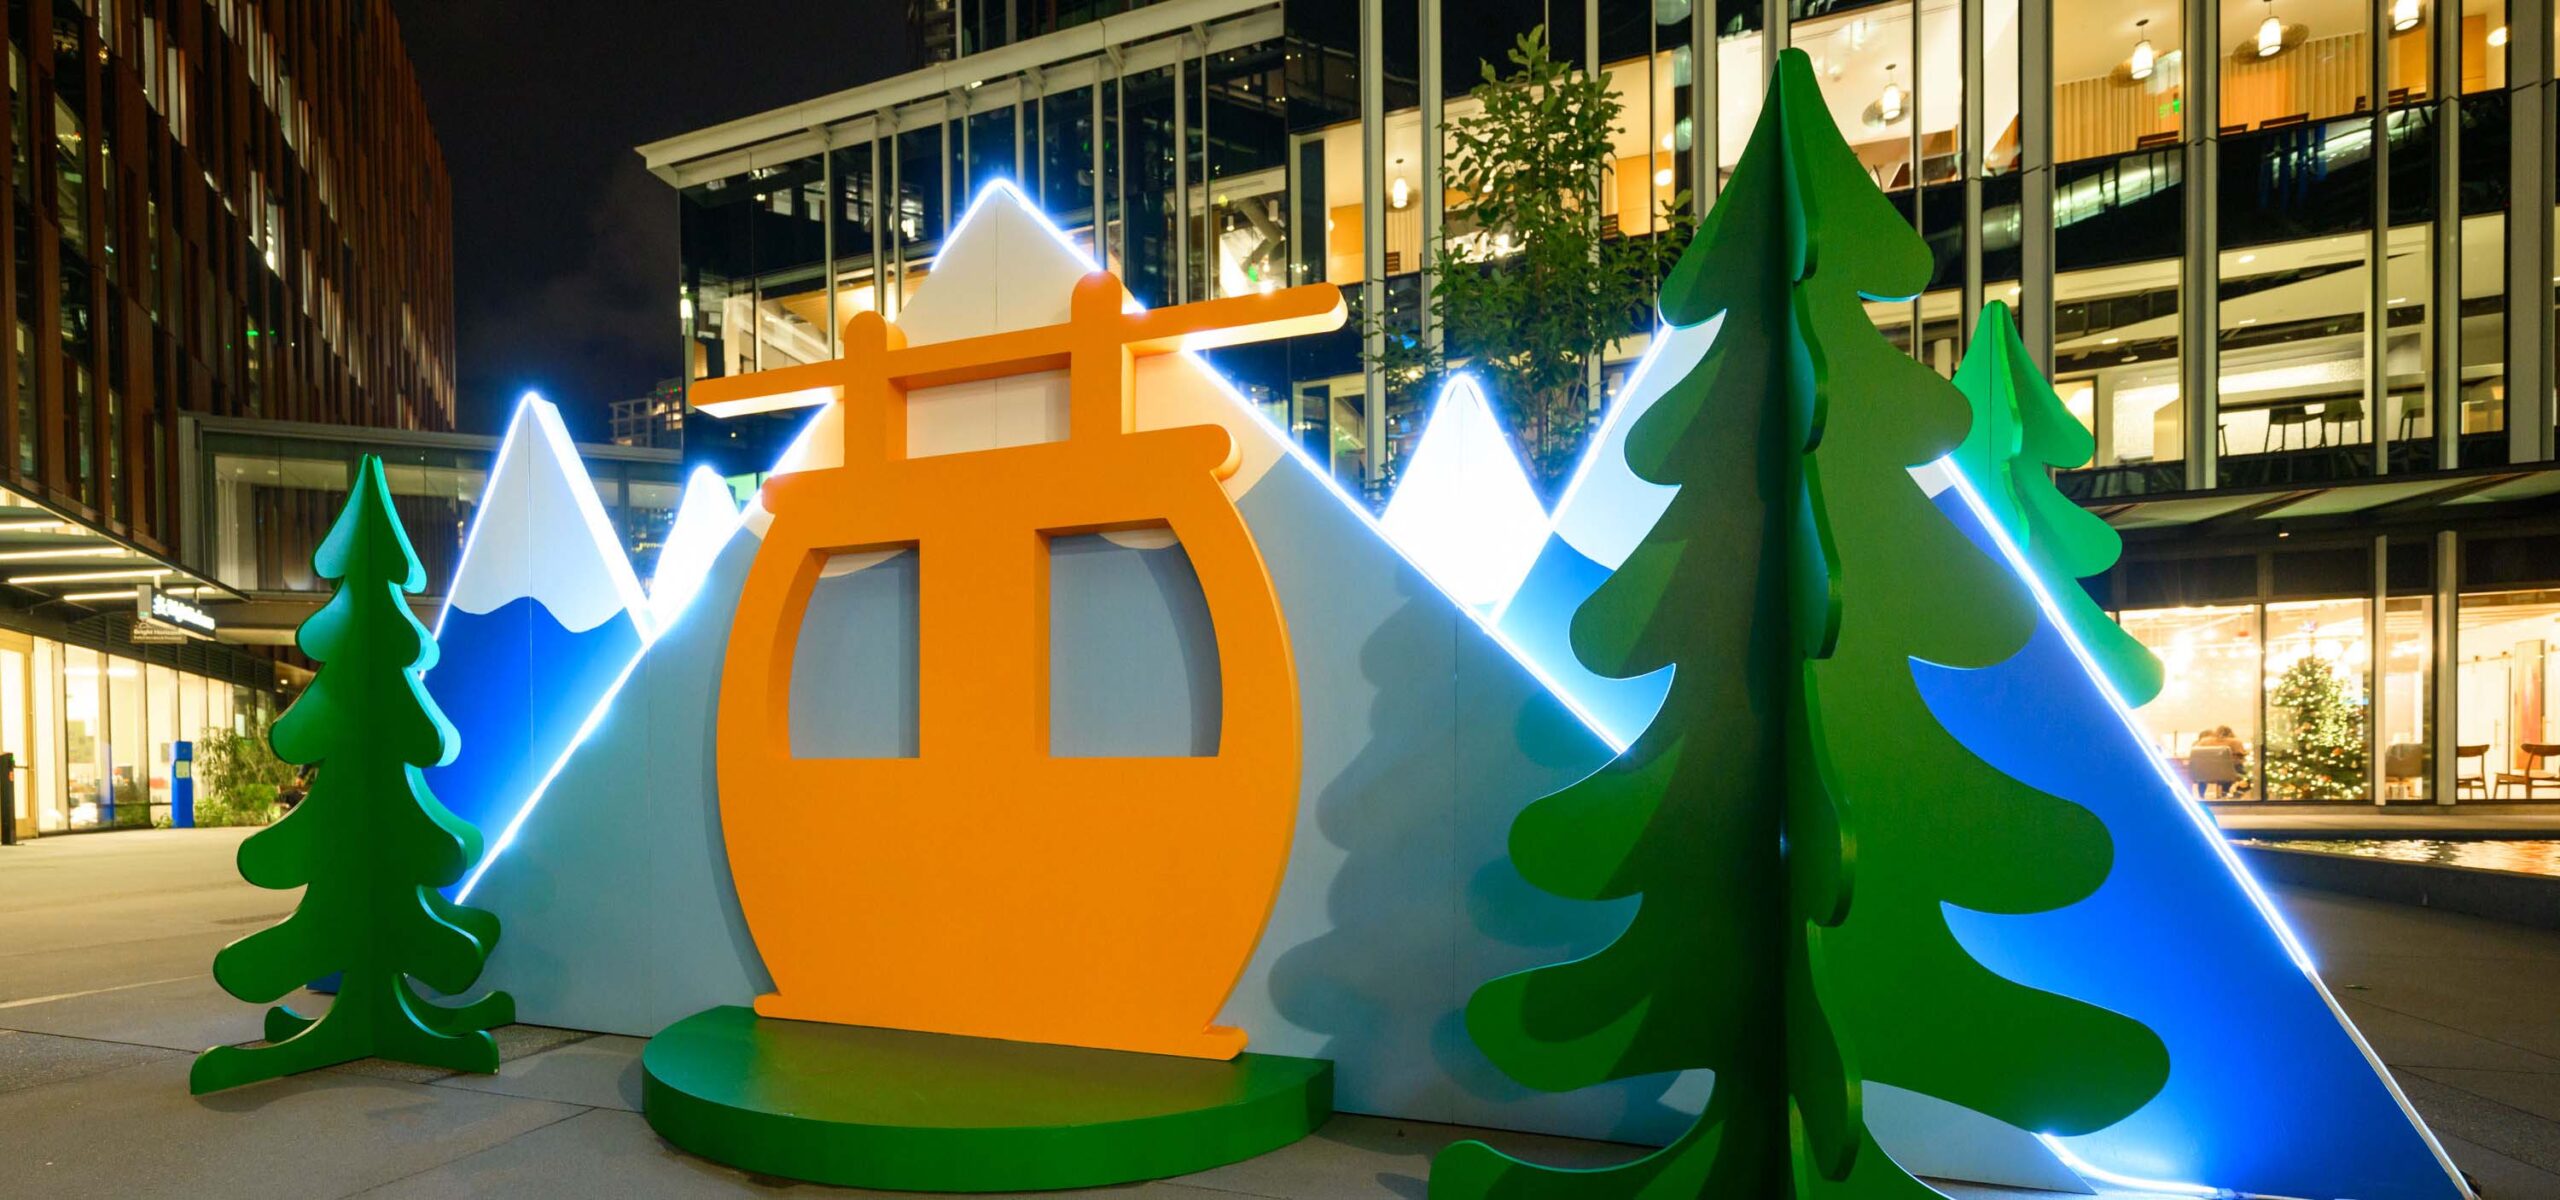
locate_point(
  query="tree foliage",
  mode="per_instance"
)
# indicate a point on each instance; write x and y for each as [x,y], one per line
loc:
[1795,822]
[370,845]
[2021,435]
[2317,748]
[1531,287]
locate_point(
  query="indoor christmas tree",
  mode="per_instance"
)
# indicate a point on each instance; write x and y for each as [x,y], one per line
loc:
[369,845]
[1795,821]
[2021,435]
[2317,749]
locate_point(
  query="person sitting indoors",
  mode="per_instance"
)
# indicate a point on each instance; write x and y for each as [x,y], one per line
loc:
[2222,736]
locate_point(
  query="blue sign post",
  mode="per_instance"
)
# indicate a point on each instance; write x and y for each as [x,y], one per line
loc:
[182,784]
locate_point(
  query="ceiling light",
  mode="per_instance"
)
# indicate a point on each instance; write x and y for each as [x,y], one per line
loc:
[1889,101]
[2404,15]
[2144,58]
[2270,34]
[2108,341]
[1399,194]
[1662,178]
[64,552]
[2246,259]
[2498,36]
[83,597]
[33,526]
[90,576]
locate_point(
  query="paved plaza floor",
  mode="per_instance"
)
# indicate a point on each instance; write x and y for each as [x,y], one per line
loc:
[105,994]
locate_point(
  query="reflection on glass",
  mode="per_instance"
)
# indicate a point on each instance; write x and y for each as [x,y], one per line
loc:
[2407,721]
[2291,405]
[2508,657]
[2209,697]
[2118,77]
[83,744]
[2288,62]
[2116,366]
[2317,669]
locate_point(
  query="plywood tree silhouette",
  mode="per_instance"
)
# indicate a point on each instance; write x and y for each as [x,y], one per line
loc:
[2021,434]
[1795,820]
[370,845]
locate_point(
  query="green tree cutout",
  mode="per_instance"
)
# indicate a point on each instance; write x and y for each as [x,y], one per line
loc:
[1795,820]
[370,844]
[2021,434]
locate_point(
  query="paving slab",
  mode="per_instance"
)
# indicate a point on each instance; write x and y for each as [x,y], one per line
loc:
[136,1132]
[1375,1156]
[35,1059]
[608,1154]
[597,1071]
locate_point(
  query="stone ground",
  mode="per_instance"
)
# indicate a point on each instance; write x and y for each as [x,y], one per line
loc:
[105,995]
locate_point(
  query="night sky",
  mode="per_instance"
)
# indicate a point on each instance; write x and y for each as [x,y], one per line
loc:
[564,245]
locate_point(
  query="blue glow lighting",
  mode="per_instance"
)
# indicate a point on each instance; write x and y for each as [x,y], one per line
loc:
[1953,475]
[2155,1187]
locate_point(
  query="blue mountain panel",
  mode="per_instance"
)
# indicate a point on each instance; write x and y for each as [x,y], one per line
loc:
[1423,739]
[2270,1090]
[618,910]
[516,686]
[1539,622]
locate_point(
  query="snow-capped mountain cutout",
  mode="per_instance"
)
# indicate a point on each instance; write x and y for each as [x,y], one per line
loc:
[706,518]
[543,617]
[552,541]
[1464,509]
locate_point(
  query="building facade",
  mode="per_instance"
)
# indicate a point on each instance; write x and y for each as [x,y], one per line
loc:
[220,210]
[2292,264]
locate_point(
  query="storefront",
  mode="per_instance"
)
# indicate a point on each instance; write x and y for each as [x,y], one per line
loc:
[2326,661]
[93,734]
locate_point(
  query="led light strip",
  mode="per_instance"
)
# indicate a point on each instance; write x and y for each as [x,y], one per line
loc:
[1947,469]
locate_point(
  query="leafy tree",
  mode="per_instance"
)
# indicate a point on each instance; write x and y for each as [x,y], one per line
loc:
[370,845]
[1795,820]
[2318,751]
[1531,287]
[237,777]
[2021,435]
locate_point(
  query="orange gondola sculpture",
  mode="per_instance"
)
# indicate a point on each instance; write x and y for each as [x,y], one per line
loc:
[986,886]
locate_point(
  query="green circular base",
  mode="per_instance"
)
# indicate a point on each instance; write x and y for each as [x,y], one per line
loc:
[887,1108]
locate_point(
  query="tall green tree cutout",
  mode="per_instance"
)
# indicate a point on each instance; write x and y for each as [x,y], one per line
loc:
[370,844]
[2021,435]
[1795,820]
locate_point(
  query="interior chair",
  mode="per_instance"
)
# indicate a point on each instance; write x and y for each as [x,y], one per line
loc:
[2283,421]
[2536,774]
[2414,417]
[2403,763]
[2471,770]
[2336,415]
[2215,765]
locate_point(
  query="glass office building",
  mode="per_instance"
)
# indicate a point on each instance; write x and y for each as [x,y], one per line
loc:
[2291,262]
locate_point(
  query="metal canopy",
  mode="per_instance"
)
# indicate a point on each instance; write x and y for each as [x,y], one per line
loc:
[49,556]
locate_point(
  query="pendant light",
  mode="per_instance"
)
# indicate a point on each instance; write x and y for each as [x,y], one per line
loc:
[2404,15]
[2144,59]
[1889,101]
[2270,33]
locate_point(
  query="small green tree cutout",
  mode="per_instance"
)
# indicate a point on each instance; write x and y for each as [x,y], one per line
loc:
[370,845]
[1795,821]
[2021,435]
